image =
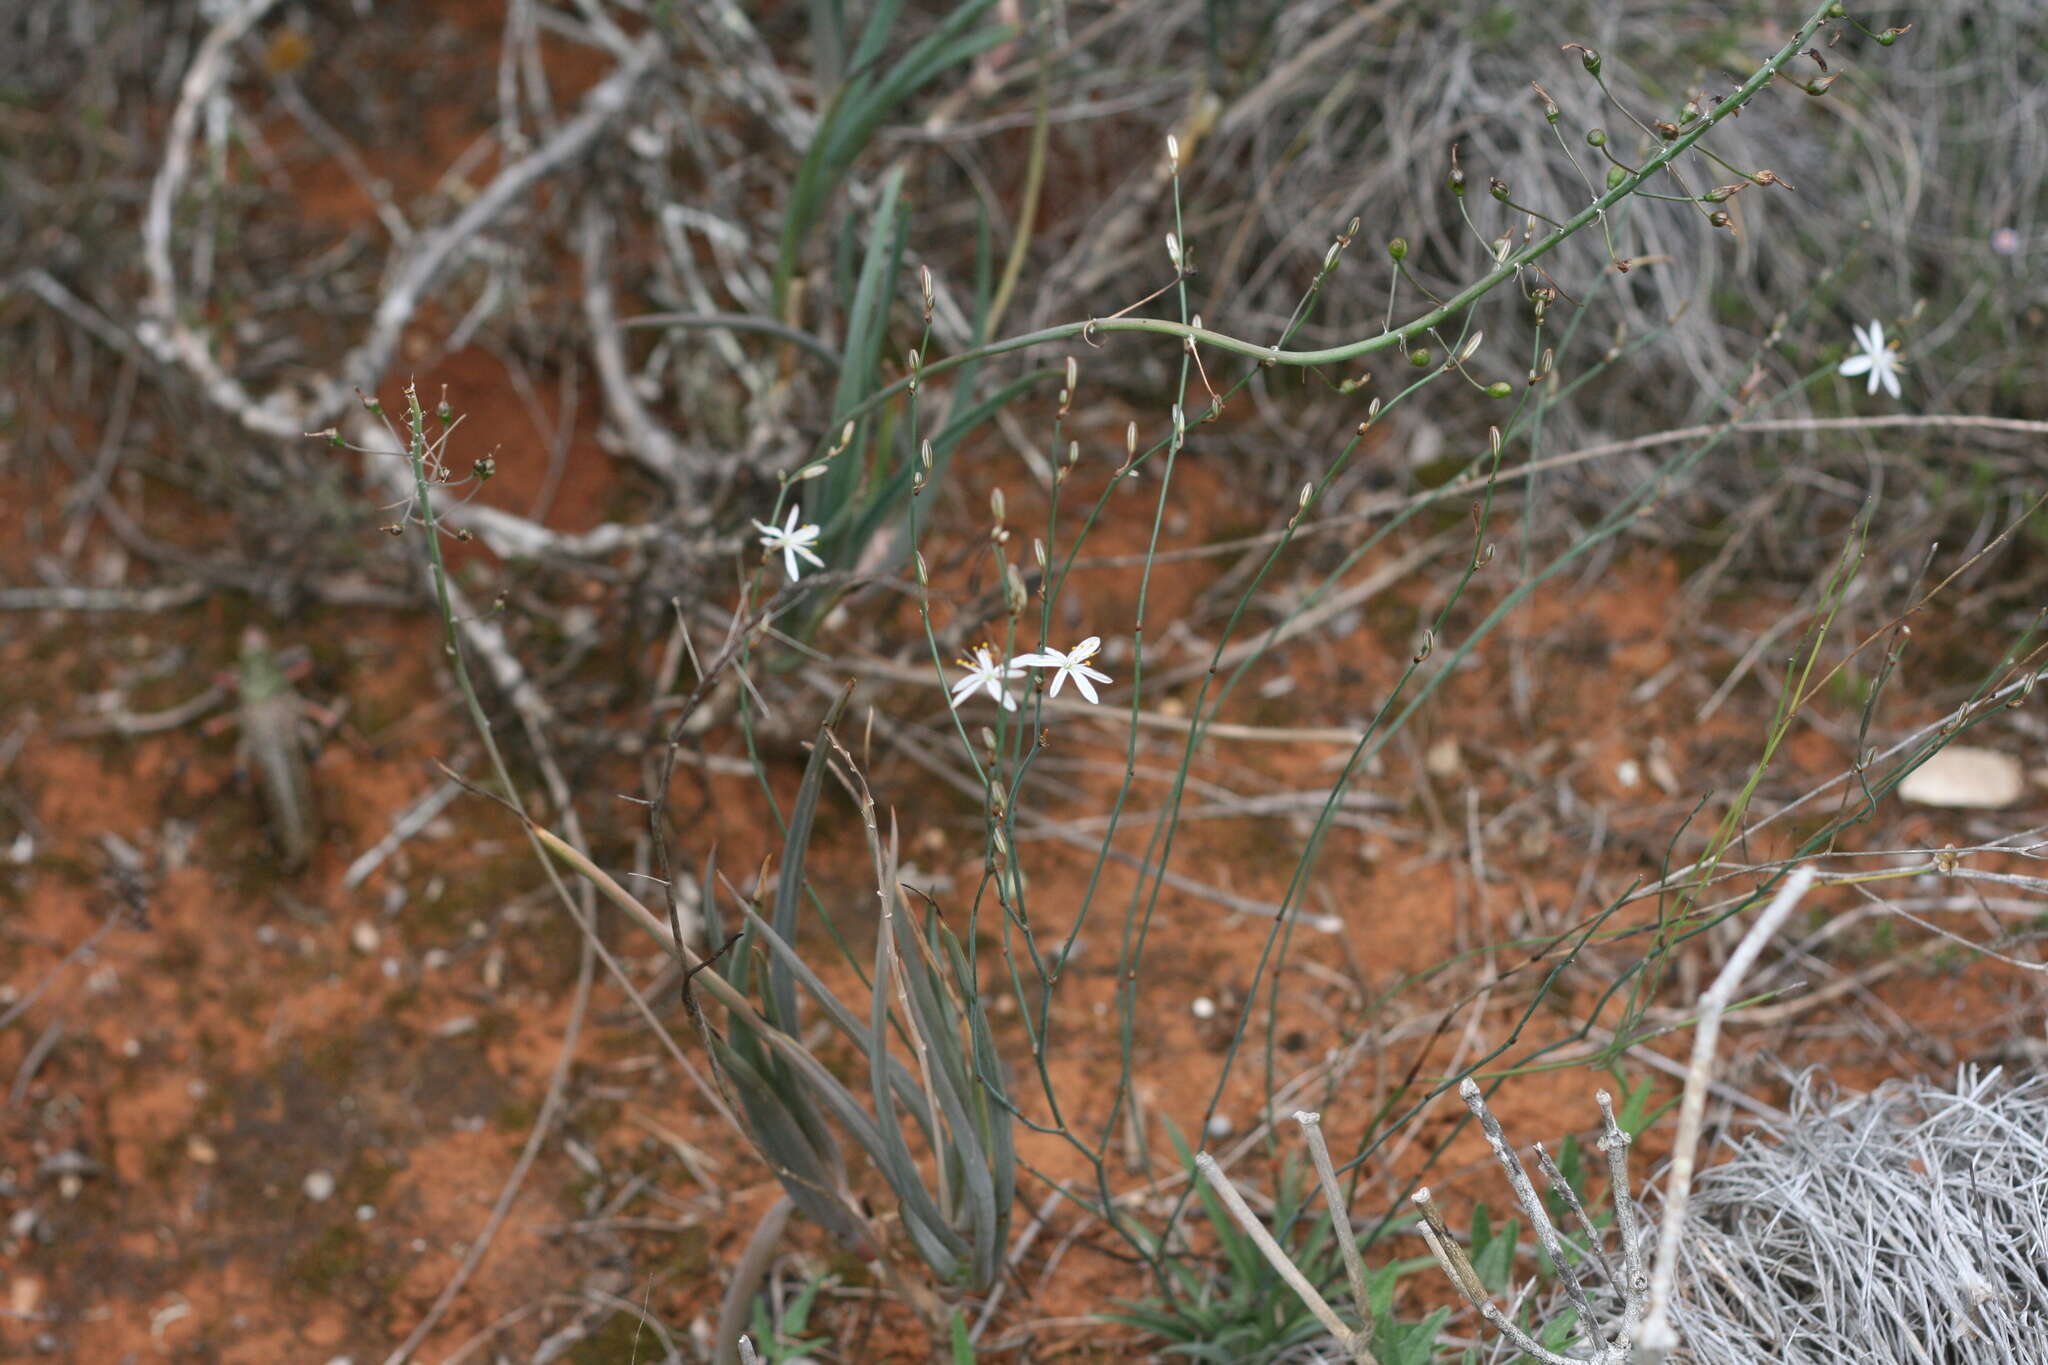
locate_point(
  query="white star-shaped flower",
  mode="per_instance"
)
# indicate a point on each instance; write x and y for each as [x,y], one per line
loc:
[1072,664]
[1880,361]
[794,540]
[986,673]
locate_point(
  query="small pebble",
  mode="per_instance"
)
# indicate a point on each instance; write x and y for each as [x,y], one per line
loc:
[319,1186]
[364,937]
[1203,1007]
[1219,1126]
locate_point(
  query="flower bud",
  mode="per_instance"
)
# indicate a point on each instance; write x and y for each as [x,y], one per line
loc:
[1015,596]
[1173,153]
[996,504]
[1173,250]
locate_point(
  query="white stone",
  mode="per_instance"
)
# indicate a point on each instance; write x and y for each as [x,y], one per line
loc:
[1964,778]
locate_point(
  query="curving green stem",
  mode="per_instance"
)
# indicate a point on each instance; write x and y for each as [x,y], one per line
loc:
[1399,336]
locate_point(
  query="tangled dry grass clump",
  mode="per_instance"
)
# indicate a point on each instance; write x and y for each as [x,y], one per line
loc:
[1911,1220]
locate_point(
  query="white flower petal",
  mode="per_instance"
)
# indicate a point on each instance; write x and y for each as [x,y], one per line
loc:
[1087,688]
[1856,364]
[1891,381]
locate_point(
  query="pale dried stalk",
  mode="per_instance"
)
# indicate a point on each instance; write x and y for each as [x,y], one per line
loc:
[1356,1344]
[1658,1339]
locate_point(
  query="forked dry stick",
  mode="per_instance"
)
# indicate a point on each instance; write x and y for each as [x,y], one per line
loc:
[1657,1339]
[1357,1344]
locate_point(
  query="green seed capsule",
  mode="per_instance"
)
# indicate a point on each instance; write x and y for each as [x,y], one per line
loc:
[1596,137]
[1420,357]
[1500,388]
[1615,175]
[1398,249]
